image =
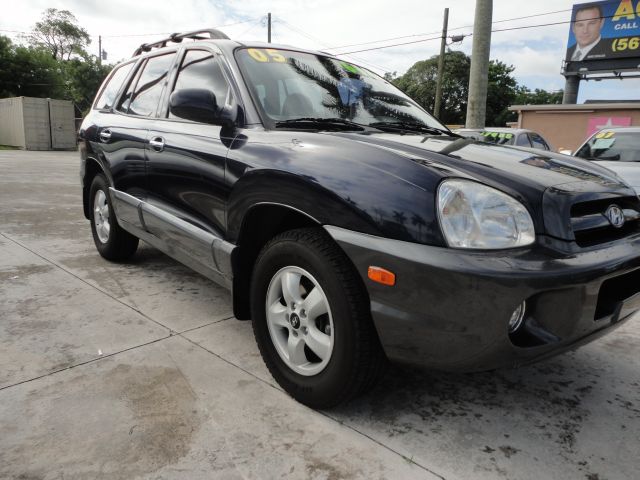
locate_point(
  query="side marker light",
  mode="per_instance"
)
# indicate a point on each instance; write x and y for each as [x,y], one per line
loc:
[381,275]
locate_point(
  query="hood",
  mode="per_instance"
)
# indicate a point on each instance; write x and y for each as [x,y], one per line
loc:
[547,183]
[496,163]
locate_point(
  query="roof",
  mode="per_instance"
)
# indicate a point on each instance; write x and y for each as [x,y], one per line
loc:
[574,107]
[621,129]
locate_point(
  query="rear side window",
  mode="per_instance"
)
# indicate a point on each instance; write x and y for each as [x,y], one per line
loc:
[110,90]
[523,140]
[200,69]
[143,95]
[538,141]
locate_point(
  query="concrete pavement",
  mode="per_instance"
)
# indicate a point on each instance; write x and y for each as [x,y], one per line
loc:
[138,370]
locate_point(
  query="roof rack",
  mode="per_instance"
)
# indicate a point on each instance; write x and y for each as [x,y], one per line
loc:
[178,37]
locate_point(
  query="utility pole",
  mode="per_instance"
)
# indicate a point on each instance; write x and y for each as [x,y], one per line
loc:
[443,44]
[269,27]
[99,49]
[479,75]
[571,88]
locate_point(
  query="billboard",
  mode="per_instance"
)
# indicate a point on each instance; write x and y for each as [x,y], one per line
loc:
[604,36]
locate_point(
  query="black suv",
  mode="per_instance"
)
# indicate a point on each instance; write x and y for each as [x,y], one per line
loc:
[350,225]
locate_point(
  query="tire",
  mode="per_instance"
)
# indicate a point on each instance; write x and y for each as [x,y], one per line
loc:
[312,320]
[112,242]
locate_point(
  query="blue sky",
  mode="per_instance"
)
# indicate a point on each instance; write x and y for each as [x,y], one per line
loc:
[536,53]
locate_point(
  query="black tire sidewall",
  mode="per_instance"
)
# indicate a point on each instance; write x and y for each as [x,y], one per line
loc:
[327,384]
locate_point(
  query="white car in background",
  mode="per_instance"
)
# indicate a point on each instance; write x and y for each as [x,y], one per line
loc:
[519,137]
[618,149]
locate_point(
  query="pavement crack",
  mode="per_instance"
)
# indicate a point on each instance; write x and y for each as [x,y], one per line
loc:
[324,414]
[220,320]
[97,359]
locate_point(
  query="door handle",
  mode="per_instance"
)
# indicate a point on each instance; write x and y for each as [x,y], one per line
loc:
[105,135]
[157,143]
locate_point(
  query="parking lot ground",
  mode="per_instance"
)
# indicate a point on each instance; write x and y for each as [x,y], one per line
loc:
[139,370]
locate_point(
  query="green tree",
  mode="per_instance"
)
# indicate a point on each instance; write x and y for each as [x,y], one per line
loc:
[7,84]
[420,83]
[83,78]
[28,71]
[501,92]
[59,32]
[525,96]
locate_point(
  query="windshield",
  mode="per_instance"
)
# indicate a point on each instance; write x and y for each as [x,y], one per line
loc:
[500,138]
[616,146]
[289,85]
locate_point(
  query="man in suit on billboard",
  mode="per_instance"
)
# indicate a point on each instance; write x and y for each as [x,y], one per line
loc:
[586,27]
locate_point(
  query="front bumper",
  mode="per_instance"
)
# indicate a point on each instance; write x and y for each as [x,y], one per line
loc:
[450,308]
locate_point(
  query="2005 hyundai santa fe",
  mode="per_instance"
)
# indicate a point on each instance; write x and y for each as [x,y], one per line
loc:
[350,225]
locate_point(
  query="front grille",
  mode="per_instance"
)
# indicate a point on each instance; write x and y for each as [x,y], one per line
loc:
[591,226]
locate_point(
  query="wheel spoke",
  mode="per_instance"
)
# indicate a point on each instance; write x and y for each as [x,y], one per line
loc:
[295,350]
[106,228]
[291,287]
[318,342]
[276,314]
[315,304]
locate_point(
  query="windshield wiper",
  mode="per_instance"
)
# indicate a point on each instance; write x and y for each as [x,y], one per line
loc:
[320,123]
[413,127]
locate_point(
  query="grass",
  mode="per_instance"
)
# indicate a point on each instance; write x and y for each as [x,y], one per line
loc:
[7,147]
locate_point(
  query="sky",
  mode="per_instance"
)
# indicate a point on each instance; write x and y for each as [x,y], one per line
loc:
[338,26]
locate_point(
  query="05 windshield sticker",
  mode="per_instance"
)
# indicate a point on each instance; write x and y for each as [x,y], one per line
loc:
[267,55]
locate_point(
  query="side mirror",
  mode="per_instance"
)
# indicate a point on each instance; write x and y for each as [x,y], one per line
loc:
[200,105]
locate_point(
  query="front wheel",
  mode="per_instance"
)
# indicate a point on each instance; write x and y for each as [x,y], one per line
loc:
[112,242]
[311,320]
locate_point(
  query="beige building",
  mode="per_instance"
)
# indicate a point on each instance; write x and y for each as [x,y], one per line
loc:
[37,123]
[567,126]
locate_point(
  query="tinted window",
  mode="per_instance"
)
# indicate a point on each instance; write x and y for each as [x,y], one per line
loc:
[200,69]
[621,146]
[523,140]
[538,141]
[110,90]
[148,87]
[289,85]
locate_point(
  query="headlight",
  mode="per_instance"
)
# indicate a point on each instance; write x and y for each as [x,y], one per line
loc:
[473,215]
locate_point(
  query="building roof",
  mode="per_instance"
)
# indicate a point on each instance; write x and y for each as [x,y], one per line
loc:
[574,107]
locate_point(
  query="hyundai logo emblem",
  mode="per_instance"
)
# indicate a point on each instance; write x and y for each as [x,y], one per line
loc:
[615,215]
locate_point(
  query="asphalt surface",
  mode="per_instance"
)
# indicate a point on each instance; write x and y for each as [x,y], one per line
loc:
[139,370]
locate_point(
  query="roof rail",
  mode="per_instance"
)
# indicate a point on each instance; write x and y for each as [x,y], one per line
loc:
[178,37]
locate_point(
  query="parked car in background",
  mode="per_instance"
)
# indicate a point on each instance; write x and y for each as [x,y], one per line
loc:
[475,133]
[519,137]
[618,149]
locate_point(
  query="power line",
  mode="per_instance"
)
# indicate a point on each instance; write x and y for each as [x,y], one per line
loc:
[320,42]
[451,29]
[468,35]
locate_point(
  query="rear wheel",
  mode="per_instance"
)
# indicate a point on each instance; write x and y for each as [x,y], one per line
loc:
[312,321]
[112,242]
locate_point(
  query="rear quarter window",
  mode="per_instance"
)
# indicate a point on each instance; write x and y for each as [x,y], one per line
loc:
[112,86]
